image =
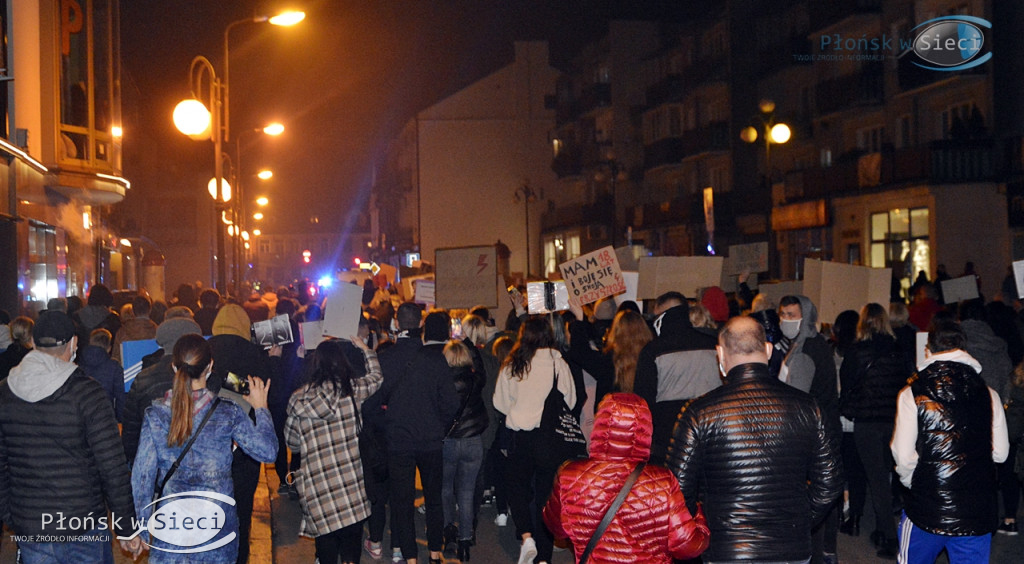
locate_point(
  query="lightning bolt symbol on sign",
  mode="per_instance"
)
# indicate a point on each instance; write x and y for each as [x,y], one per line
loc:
[482,263]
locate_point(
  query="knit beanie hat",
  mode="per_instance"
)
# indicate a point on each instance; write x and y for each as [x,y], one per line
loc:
[168,332]
[232,320]
[716,303]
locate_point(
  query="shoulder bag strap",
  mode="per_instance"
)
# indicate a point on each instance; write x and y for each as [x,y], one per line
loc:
[359,417]
[612,510]
[188,446]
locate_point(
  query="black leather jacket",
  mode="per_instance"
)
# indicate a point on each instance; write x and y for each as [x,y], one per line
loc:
[756,452]
[872,374]
[472,420]
[954,487]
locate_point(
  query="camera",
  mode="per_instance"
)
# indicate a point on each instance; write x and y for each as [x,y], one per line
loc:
[236,384]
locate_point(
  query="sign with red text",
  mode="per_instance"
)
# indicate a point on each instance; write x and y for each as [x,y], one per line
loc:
[464,277]
[593,276]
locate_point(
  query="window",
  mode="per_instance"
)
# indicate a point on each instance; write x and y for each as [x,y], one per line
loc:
[826,157]
[899,239]
[89,75]
[47,262]
[870,139]
[264,247]
[559,248]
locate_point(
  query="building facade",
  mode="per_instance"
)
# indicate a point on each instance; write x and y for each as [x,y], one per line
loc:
[61,140]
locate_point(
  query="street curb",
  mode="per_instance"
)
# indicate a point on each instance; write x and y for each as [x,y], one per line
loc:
[261,545]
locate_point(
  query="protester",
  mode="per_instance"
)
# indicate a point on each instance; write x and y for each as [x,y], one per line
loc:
[421,404]
[158,311]
[95,360]
[21,344]
[209,305]
[873,372]
[170,423]
[5,330]
[97,314]
[844,335]
[653,525]
[185,296]
[1012,469]
[152,383]
[322,427]
[527,376]
[984,346]
[499,440]
[256,308]
[759,456]
[675,367]
[61,453]
[950,433]
[138,328]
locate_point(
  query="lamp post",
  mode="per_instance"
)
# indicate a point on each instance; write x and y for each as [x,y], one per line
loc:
[212,120]
[240,213]
[774,133]
[528,195]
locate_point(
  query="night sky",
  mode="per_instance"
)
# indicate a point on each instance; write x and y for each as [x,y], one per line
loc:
[343,82]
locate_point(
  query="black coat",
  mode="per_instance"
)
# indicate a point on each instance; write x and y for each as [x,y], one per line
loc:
[472,418]
[757,453]
[872,374]
[421,401]
[62,454]
[151,384]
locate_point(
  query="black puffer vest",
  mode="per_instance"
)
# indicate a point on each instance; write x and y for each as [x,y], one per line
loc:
[954,487]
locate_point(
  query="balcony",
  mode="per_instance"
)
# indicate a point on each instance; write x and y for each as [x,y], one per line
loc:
[912,76]
[599,212]
[672,150]
[824,14]
[857,89]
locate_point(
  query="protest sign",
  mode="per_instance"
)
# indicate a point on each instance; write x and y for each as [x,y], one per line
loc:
[311,333]
[959,289]
[631,279]
[835,287]
[343,310]
[680,274]
[627,257]
[131,358]
[775,291]
[546,297]
[920,342]
[1018,277]
[593,276]
[424,292]
[730,282]
[464,277]
[747,258]
[274,331]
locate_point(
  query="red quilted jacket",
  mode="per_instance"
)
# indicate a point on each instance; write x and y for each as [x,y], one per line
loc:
[653,525]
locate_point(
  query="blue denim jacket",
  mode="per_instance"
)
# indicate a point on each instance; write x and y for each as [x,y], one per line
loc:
[206,467]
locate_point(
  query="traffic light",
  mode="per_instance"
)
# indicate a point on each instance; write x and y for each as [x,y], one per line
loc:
[306,256]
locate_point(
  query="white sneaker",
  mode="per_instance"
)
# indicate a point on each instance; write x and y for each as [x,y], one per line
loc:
[528,551]
[396,555]
[501,520]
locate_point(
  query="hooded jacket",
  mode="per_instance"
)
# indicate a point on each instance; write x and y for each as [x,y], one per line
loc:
[757,453]
[61,448]
[322,427]
[653,525]
[810,367]
[105,370]
[991,352]
[950,432]
[677,366]
[872,374]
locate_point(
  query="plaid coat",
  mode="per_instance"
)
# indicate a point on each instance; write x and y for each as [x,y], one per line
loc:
[322,426]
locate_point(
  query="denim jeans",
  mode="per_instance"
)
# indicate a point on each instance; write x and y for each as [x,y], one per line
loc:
[462,461]
[96,551]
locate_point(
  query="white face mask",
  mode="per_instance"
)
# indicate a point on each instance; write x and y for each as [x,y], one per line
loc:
[790,327]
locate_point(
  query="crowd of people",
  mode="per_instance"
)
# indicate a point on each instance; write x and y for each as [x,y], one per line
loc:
[719,427]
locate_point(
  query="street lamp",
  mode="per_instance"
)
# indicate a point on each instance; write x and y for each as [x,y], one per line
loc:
[528,195]
[774,133]
[272,129]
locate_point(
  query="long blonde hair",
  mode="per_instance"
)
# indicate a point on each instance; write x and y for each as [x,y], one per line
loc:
[628,335]
[192,354]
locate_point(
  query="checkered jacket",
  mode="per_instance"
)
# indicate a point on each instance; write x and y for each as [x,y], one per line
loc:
[322,426]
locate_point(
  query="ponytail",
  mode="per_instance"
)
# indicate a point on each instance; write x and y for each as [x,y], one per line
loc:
[192,355]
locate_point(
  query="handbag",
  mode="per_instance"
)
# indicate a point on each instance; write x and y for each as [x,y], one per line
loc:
[561,436]
[371,452]
[612,510]
[158,484]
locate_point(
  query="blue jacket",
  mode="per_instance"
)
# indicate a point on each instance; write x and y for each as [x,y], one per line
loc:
[206,467]
[98,365]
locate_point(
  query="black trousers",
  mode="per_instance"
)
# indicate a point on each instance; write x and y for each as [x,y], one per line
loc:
[245,473]
[872,440]
[529,486]
[343,543]
[402,475]
[856,481]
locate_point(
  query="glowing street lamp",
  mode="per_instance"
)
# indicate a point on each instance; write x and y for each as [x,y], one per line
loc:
[262,201]
[273,129]
[265,174]
[257,216]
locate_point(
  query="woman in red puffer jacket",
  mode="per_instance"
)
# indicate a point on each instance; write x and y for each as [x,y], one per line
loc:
[653,525]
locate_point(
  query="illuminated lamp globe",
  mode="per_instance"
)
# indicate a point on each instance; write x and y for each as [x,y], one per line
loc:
[287,18]
[193,119]
[257,216]
[265,174]
[780,133]
[211,187]
[749,134]
[273,129]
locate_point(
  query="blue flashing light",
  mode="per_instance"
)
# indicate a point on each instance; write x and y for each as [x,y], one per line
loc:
[325,281]
[711,250]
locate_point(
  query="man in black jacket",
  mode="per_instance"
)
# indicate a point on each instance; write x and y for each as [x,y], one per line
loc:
[61,462]
[757,453]
[677,366]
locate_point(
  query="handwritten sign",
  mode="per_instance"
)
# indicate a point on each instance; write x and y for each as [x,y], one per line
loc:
[424,292]
[835,287]
[959,289]
[593,276]
[747,258]
[464,277]
[680,274]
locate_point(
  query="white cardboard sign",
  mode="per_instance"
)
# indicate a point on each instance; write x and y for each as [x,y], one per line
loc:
[342,312]
[835,287]
[959,289]
[747,258]
[680,274]
[593,276]
[775,291]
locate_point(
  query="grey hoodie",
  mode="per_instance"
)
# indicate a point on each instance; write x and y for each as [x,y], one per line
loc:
[39,375]
[800,367]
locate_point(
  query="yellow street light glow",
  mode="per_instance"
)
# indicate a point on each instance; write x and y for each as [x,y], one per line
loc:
[231,230]
[247,245]
[274,129]
[780,133]
[288,18]
[116,131]
[245,235]
[211,187]
[257,216]
[265,174]
[224,217]
[749,134]
[262,200]
[126,243]
[192,118]
[256,233]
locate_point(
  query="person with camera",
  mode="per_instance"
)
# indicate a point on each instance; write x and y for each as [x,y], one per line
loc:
[192,412]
